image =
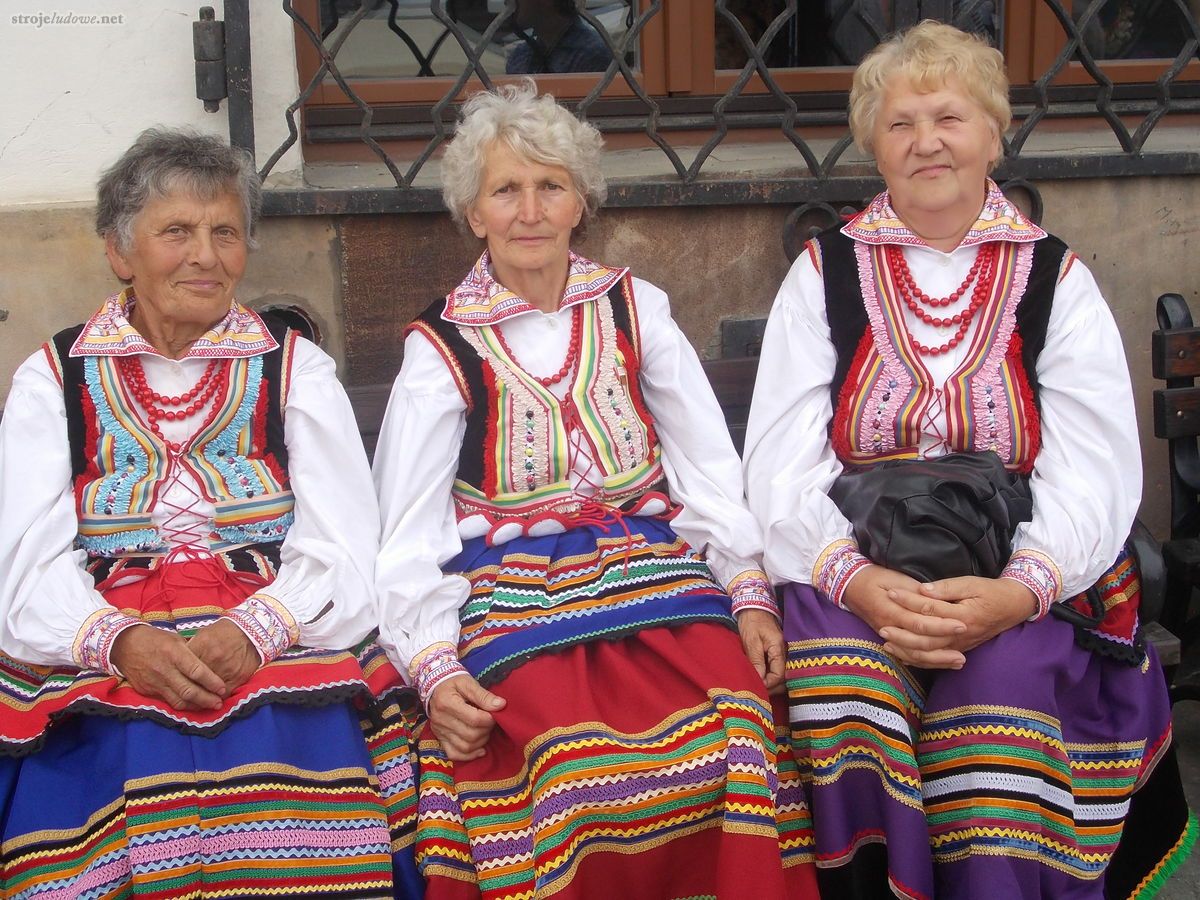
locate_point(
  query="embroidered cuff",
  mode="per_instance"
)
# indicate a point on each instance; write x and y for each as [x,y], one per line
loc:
[433,665]
[1038,573]
[839,562]
[752,590]
[267,623]
[94,640]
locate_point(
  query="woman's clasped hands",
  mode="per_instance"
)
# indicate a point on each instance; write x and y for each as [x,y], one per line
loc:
[933,625]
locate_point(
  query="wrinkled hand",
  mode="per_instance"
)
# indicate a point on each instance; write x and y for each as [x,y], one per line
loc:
[158,663]
[914,631]
[225,649]
[762,639]
[985,606]
[460,714]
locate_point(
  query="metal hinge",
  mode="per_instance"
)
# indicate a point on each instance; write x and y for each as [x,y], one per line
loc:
[208,47]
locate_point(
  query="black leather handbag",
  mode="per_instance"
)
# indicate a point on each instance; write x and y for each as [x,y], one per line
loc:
[944,517]
[935,518]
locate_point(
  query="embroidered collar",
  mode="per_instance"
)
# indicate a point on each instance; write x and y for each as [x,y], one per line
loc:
[482,300]
[999,220]
[109,333]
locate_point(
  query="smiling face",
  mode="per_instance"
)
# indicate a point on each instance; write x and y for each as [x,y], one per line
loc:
[526,212]
[186,258]
[934,150]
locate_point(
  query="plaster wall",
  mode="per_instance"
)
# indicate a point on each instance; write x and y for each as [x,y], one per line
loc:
[78,92]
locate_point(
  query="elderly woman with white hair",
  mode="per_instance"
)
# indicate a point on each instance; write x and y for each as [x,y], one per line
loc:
[564,530]
[190,692]
[967,727]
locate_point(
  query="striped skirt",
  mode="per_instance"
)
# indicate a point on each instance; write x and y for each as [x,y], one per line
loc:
[637,753]
[1012,777]
[303,784]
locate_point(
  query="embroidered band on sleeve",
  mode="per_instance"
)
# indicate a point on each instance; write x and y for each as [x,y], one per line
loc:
[836,565]
[433,665]
[267,623]
[752,590]
[94,640]
[1038,573]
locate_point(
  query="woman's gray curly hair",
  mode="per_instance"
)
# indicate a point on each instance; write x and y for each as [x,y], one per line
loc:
[536,128]
[163,161]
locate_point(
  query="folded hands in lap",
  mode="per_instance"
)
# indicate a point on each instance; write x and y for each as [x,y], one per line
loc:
[934,625]
[190,674]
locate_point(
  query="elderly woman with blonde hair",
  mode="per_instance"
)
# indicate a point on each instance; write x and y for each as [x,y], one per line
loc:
[568,564]
[965,731]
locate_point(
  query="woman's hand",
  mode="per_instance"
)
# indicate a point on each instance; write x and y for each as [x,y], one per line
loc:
[762,639]
[460,714]
[159,663]
[225,649]
[914,631]
[985,606]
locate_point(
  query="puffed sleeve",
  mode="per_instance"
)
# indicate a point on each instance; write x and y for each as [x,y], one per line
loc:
[46,597]
[1087,478]
[326,577]
[702,466]
[789,460]
[415,465]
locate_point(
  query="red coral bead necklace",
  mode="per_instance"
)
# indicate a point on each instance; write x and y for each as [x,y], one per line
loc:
[158,406]
[572,350]
[982,272]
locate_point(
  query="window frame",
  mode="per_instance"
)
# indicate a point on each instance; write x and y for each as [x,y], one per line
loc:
[677,49]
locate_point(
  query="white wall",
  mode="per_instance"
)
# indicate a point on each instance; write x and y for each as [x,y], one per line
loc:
[75,95]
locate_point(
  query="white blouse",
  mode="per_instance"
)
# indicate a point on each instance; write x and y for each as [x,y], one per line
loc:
[326,575]
[1087,478]
[422,433]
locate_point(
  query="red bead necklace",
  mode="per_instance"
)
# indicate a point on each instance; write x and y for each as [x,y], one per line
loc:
[214,379]
[982,272]
[572,350]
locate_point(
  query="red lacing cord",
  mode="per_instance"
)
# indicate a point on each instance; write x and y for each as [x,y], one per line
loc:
[591,511]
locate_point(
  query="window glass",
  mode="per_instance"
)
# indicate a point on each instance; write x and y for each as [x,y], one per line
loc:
[1135,29]
[404,39]
[832,32]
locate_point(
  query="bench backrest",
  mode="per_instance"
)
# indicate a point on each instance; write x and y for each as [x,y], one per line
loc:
[1175,358]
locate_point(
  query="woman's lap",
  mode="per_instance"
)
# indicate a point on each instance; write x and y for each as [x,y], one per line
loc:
[1020,765]
[103,786]
[283,802]
[644,765]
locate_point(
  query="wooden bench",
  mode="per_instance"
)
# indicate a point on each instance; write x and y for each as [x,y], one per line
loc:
[1175,358]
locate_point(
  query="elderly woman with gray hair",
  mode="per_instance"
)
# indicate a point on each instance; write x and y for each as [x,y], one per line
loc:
[564,530]
[190,695]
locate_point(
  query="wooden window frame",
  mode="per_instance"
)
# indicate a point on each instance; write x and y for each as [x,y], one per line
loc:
[677,51]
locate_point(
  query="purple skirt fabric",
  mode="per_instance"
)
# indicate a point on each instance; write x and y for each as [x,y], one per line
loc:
[1011,777]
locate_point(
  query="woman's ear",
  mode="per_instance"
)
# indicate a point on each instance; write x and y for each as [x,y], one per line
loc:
[475,221]
[116,259]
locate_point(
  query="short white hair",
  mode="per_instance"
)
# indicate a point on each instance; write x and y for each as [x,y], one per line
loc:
[535,128]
